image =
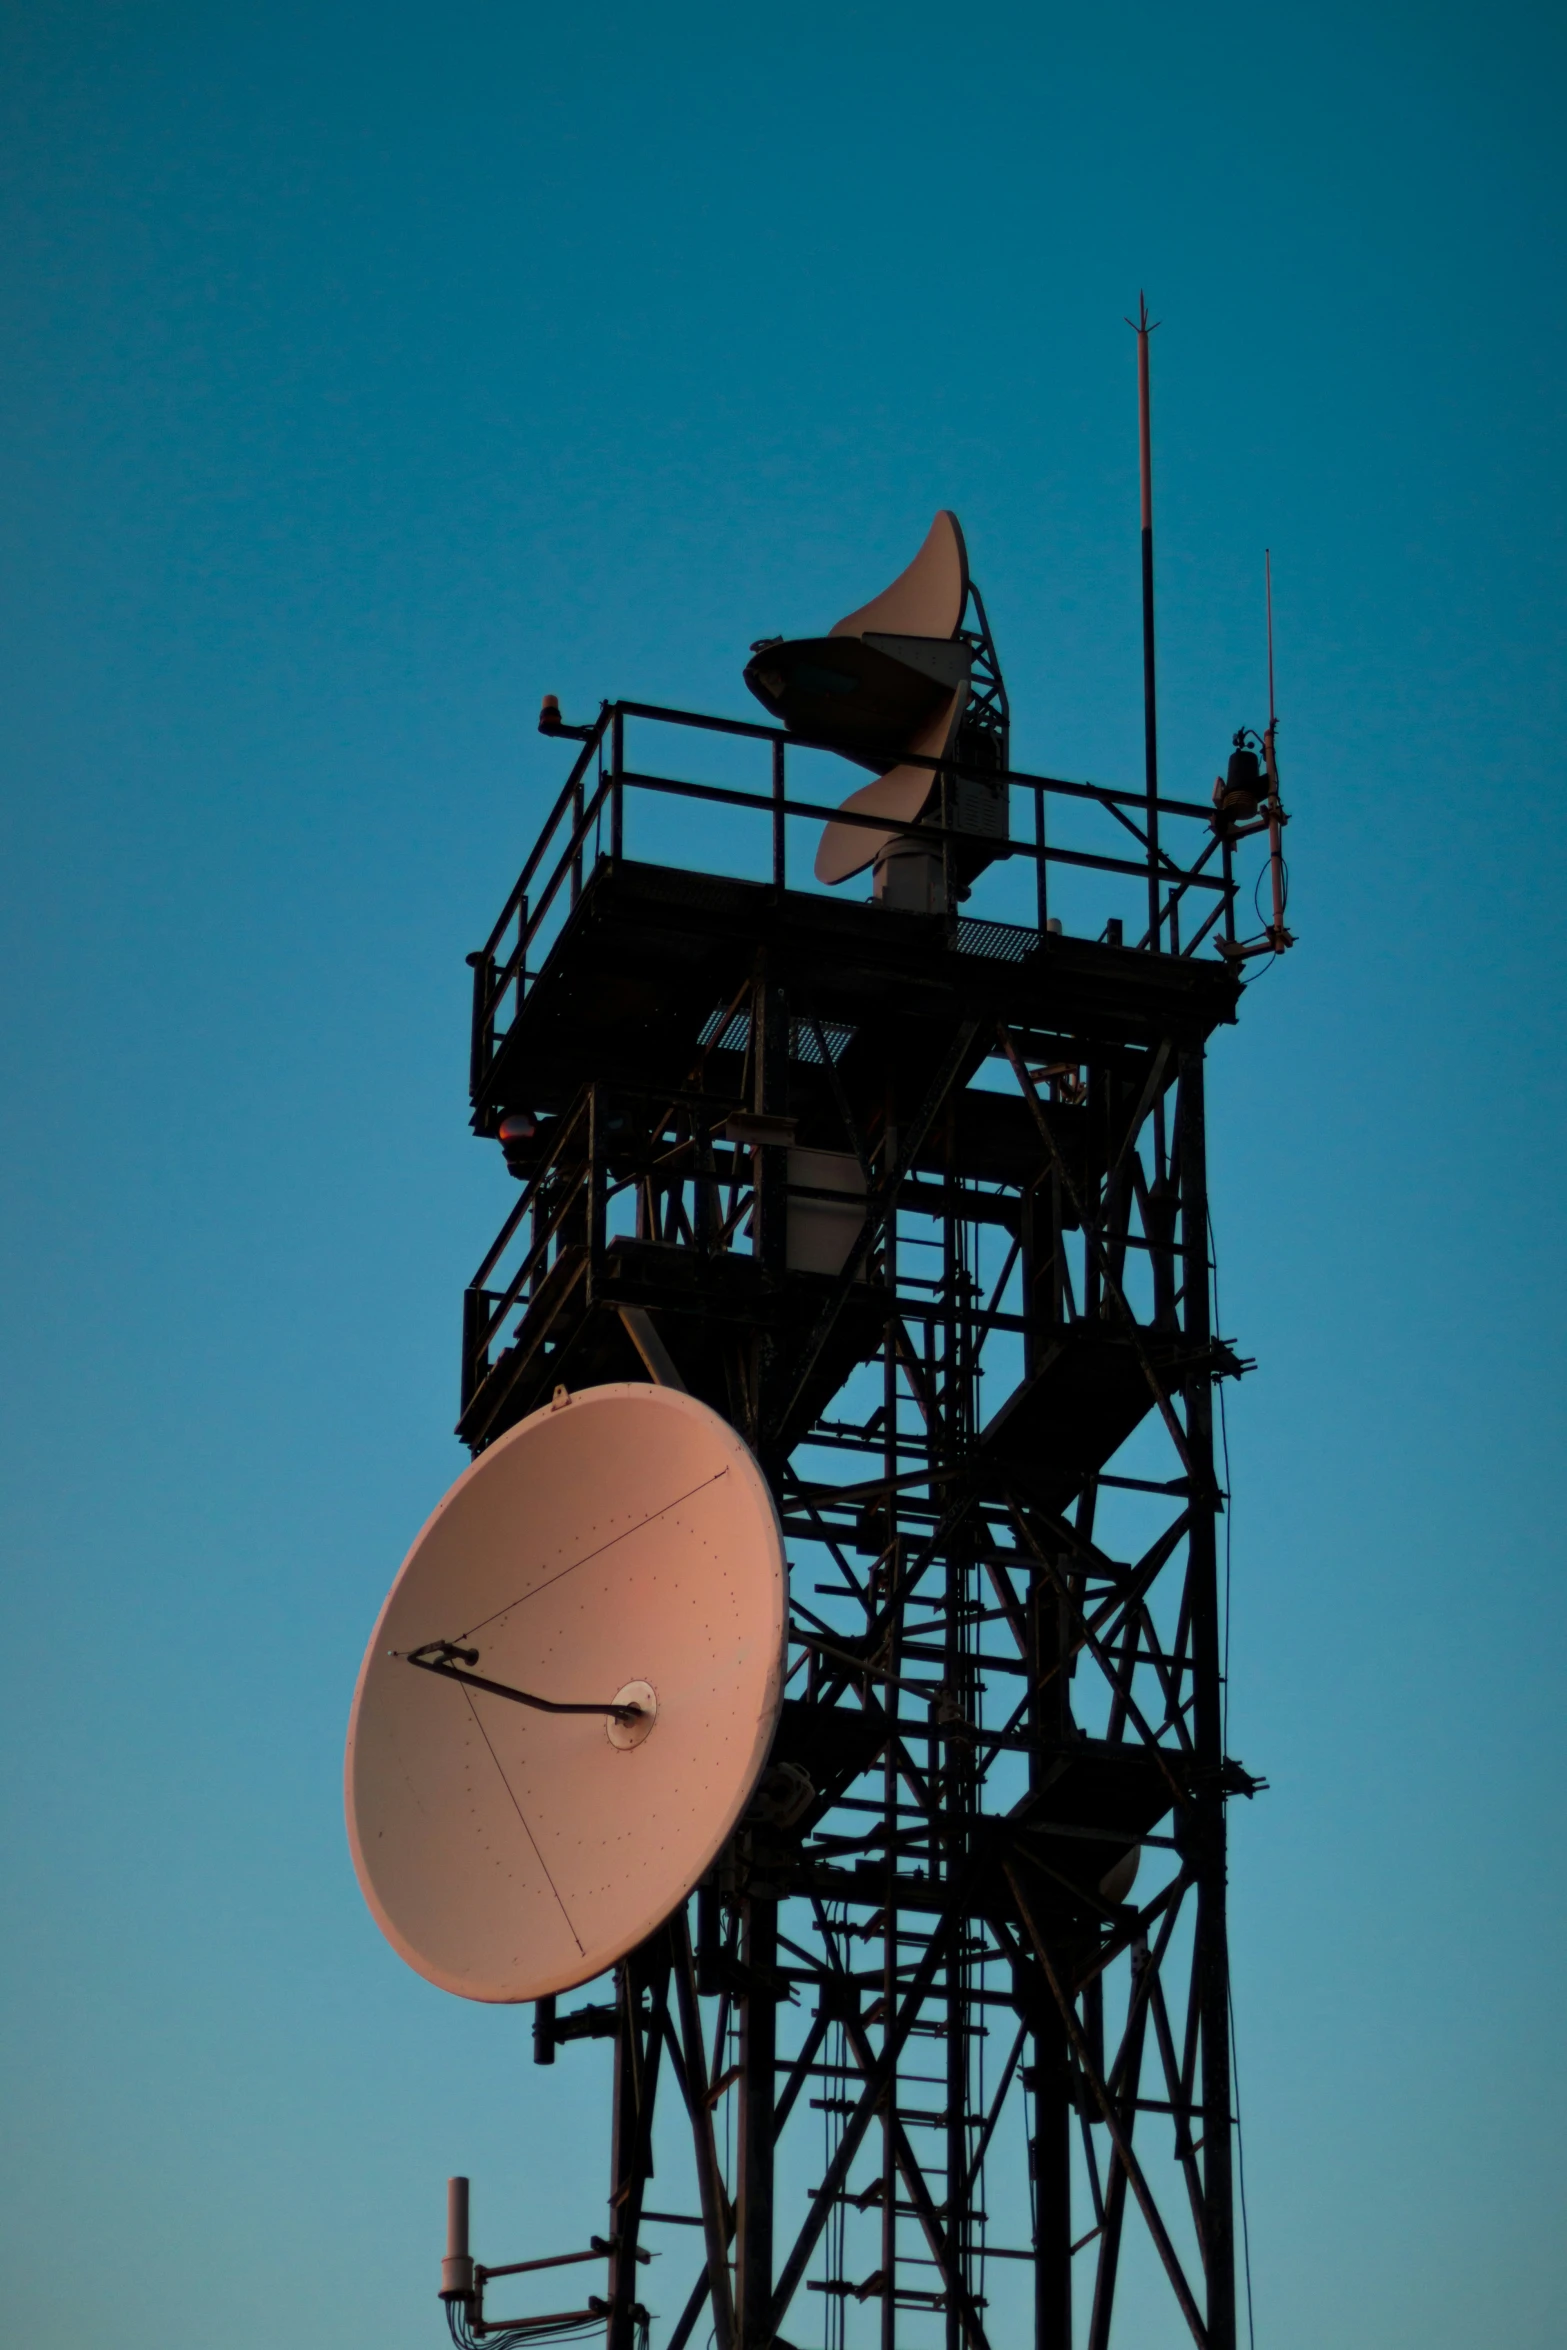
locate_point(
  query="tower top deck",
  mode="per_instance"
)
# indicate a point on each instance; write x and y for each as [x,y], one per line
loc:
[603,963]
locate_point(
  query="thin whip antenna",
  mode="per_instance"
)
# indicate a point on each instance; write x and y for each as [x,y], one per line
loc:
[1278,937]
[1267,575]
[1143,326]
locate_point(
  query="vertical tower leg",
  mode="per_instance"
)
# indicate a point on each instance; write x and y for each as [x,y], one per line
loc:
[1211,1985]
[637,2051]
[758,2080]
[891,1784]
[1115,2191]
[1052,1717]
[1052,2186]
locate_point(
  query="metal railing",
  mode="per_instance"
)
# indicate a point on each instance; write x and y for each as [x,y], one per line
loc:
[556,1224]
[615,1166]
[587,826]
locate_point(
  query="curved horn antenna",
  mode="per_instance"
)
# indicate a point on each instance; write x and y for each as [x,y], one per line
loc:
[893,682]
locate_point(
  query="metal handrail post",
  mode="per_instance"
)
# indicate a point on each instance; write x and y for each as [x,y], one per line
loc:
[475,1342]
[597,1233]
[1229,890]
[1041,865]
[481,1044]
[779,828]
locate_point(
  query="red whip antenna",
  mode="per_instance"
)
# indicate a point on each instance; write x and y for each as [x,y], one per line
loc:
[1267,574]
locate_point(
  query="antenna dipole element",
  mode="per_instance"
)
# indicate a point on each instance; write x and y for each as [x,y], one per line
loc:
[457,2267]
[1267,583]
[1143,326]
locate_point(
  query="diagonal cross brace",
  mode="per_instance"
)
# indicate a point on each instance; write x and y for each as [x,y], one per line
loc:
[691,2071]
[1088,1639]
[1095,1239]
[1118,2138]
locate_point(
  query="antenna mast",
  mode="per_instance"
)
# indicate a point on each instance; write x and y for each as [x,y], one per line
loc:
[1278,937]
[1267,581]
[1142,326]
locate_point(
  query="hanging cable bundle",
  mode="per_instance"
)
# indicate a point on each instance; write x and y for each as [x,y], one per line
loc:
[572,2325]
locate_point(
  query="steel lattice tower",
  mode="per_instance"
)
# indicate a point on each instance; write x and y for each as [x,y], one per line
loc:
[919,1203]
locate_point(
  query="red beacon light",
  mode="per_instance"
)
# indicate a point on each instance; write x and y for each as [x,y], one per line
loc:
[551,721]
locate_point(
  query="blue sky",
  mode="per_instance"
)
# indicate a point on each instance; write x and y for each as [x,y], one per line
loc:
[364,374]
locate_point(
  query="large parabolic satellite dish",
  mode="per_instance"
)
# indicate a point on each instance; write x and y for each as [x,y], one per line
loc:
[617,1553]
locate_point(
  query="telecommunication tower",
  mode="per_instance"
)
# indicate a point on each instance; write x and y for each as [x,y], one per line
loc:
[911,1195]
